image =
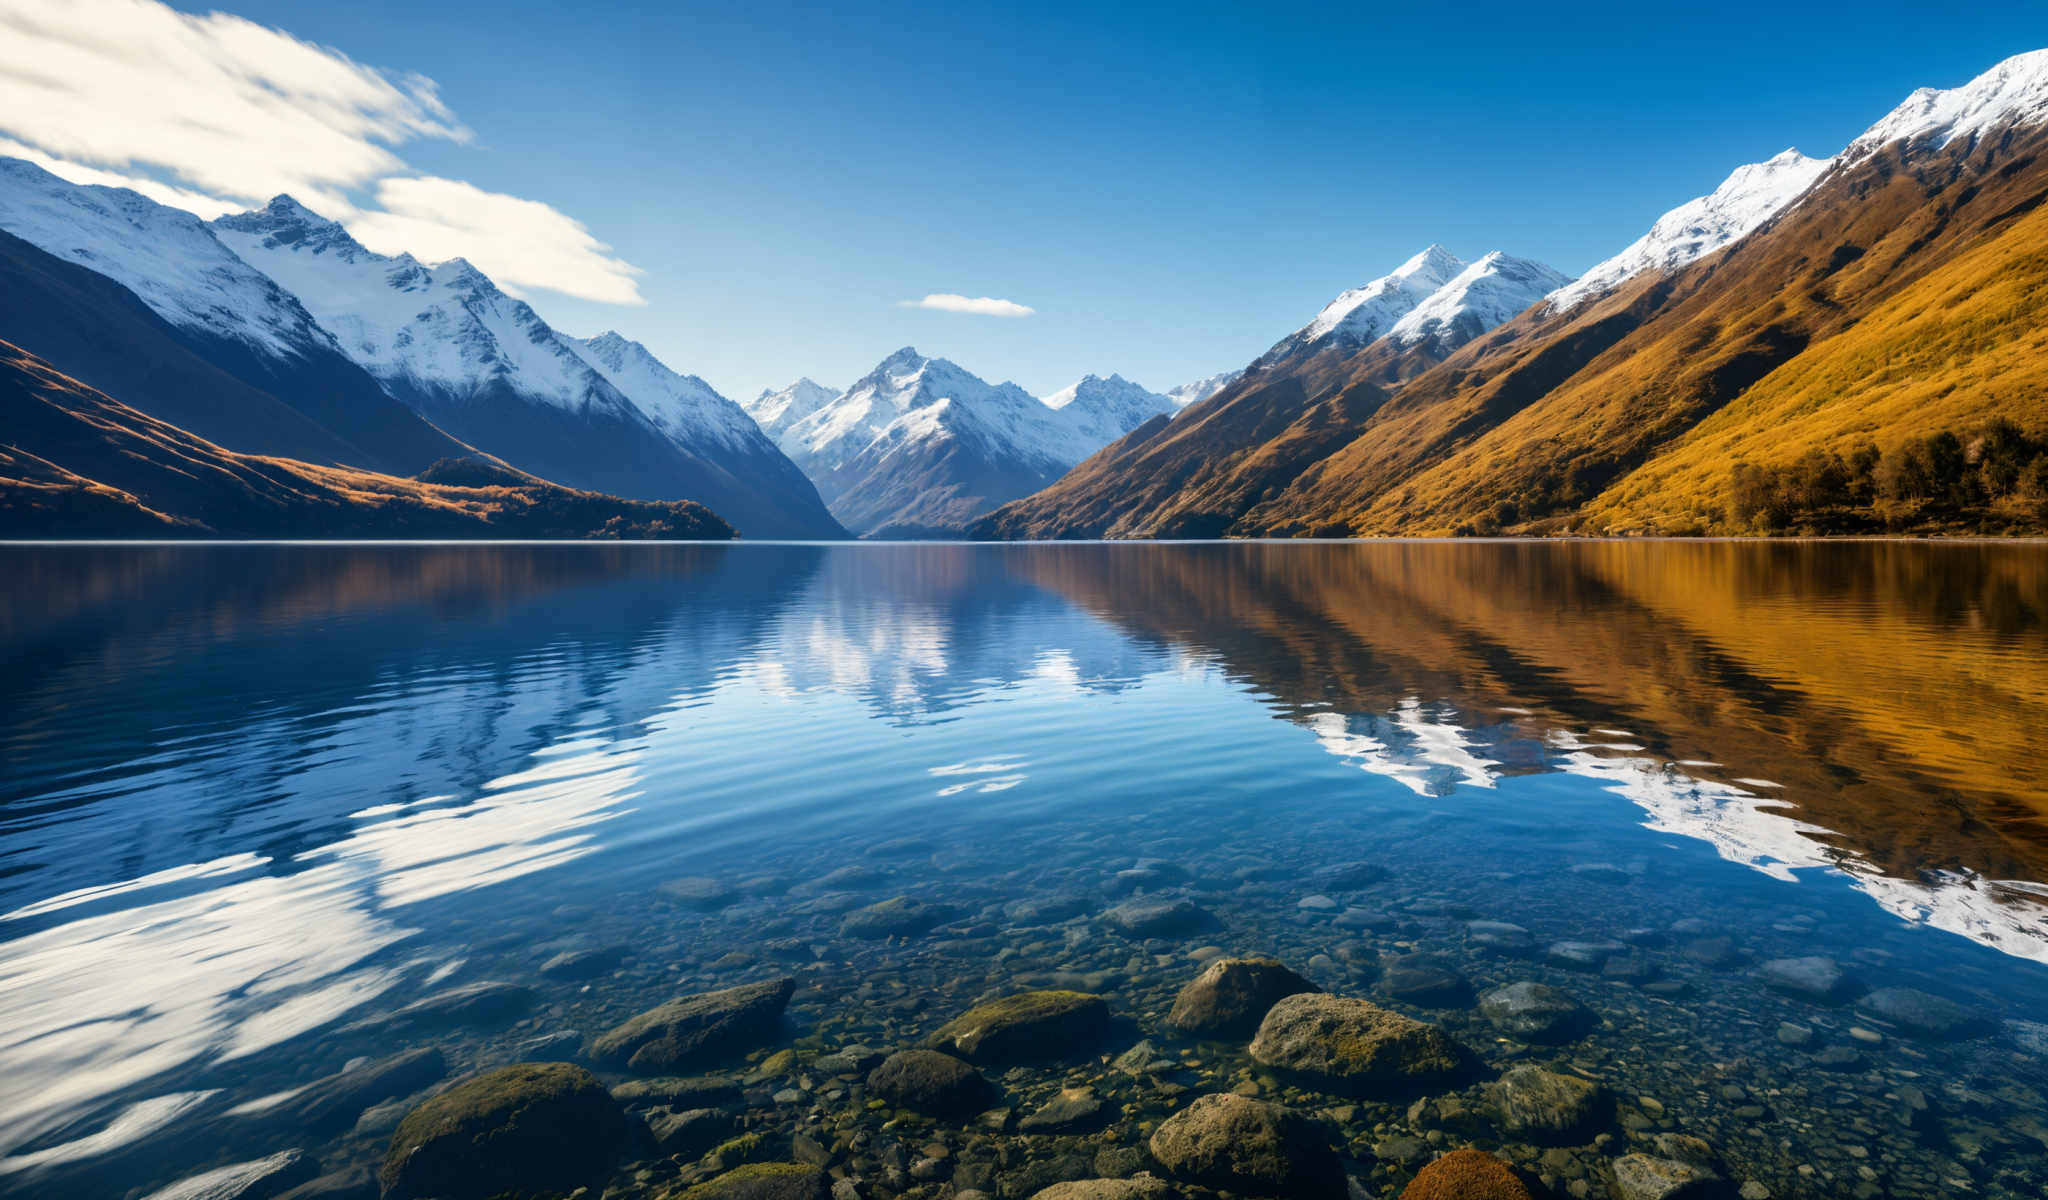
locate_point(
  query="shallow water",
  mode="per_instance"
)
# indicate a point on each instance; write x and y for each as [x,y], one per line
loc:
[257,798]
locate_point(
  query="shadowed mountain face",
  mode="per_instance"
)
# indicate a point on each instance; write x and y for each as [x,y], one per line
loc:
[77,463]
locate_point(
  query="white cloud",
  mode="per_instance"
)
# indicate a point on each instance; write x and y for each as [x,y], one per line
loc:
[214,112]
[516,242]
[984,306]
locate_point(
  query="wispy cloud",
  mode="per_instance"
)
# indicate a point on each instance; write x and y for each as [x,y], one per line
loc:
[214,112]
[983,306]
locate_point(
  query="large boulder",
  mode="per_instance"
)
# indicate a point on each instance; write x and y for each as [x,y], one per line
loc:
[1355,1046]
[1466,1175]
[698,1029]
[1535,1012]
[1251,1147]
[1231,995]
[1544,1106]
[1028,1025]
[761,1181]
[935,1084]
[260,1179]
[533,1128]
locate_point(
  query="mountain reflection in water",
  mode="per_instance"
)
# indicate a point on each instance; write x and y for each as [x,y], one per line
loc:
[283,785]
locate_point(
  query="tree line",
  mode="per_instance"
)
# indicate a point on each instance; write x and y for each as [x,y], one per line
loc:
[1991,479]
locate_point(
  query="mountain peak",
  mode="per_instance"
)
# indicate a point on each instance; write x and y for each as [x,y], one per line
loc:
[1751,195]
[1363,314]
[2014,92]
[1485,294]
[286,222]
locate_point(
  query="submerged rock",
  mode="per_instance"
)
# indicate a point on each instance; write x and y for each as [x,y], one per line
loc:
[1922,1013]
[1425,982]
[261,1179]
[1582,956]
[1466,1175]
[1160,916]
[696,1029]
[900,917]
[1641,1177]
[1500,936]
[696,1091]
[1249,1146]
[1545,1106]
[1029,1025]
[1110,1189]
[1813,977]
[333,1104]
[935,1084]
[1074,1110]
[761,1181]
[1355,1045]
[534,1127]
[1231,996]
[699,892]
[689,1133]
[1535,1012]
[578,965]
[483,1003]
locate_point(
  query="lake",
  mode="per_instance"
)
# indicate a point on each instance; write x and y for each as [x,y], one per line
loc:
[270,810]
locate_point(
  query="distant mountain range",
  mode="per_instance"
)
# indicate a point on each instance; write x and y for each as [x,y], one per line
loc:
[919,446]
[1840,344]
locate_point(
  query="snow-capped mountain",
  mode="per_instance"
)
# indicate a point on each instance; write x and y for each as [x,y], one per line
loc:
[1201,389]
[1104,410]
[778,409]
[687,409]
[1488,293]
[1750,196]
[603,414]
[233,316]
[1364,314]
[2015,92]
[919,445]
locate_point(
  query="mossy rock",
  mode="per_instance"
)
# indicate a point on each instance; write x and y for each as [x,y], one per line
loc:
[693,1030]
[1231,996]
[935,1084]
[761,1181]
[526,1130]
[1249,1147]
[1029,1025]
[1356,1046]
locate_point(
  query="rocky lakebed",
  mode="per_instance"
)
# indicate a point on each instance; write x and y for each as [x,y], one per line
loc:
[1034,1017]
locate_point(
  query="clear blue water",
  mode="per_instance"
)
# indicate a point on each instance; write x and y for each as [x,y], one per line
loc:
[256,797]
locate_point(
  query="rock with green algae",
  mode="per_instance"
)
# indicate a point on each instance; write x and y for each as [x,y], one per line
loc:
[1355,1046]
[696,1029]
[1232,995]
[760,1181]
[1466,1175]
[1028,1025]
[900,917]
[1249,1147]
[1545,1106]
[935,1084]
[524,1130]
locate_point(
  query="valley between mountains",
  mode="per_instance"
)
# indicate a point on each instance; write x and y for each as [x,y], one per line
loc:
[1851,344]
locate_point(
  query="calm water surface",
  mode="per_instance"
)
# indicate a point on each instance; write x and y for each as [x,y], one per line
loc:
[256,799]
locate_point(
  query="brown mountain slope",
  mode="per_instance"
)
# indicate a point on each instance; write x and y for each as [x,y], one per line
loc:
[1862,242]
[1905,295]
[1195,474]
[76,463]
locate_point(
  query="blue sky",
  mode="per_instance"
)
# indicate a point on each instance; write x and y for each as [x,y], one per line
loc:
[1170,187]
